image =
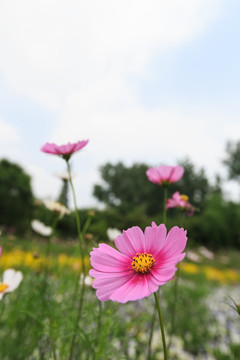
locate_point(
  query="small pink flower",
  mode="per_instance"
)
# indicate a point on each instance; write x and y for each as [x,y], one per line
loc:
[180,201]
[144,262]
[64,150]
[177,200]
[165,175]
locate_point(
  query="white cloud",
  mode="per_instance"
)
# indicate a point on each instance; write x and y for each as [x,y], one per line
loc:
[78,58]
[9,140]
[8,133]
[51,47]
[44,184]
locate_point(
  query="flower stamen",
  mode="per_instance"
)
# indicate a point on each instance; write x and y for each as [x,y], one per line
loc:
[184,197]
[3,287]
[142,263]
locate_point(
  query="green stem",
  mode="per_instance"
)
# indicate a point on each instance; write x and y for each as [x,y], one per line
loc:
[149,354]
[175,299]
[165,195]
[77,320]
[174,306]
[164,205]
[80,242]
[45,282]
[98,329]
[80,235]
[161,326]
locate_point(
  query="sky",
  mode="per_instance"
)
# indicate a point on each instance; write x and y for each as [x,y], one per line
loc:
[145,81]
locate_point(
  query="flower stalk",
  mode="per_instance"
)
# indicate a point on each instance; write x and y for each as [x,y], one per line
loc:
[161,326]
[80,242]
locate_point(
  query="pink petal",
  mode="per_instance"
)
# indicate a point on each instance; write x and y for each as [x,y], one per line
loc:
[134,289]
[106,284]
[162,260]
[177,174]
[154,175]
[162,174]
[69,148]
[175,242]
[131,242]
[106,259]
[176,196]
[155,237]
[164,275]
[166,172]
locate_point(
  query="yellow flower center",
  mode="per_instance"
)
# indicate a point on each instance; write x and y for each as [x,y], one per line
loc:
[184,197]
[3,287]
[142,263]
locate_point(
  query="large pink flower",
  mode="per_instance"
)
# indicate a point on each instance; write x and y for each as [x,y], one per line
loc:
[144,262]
[165,175]
[64,150]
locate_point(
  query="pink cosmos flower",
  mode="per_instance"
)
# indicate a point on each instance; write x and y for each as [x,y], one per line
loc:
[144,262]
[165,175]
[64,150]
[180,201]
[177,200]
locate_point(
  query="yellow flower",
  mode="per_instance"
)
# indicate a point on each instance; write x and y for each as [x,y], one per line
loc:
[190,268]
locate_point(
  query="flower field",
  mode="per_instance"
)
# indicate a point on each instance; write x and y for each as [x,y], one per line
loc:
[39,316]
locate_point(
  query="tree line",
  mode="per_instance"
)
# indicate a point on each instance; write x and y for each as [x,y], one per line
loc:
[130,199]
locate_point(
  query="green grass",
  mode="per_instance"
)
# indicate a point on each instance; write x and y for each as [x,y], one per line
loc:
[37,321]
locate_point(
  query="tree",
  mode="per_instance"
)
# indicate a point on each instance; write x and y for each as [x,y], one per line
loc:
[123,186]
[128,187]
[16,198]
[232,160]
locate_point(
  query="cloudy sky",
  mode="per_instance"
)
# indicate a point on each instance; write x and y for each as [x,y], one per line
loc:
[145,81]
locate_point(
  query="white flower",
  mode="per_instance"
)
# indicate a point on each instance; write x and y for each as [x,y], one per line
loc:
[193,256]
[10,281]
[207,253]
[113,233]
[88,280]
[41,228]
[57,207]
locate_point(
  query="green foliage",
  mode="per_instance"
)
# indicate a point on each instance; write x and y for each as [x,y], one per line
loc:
[232,354]
[39,317]
[16,198]
[232,160]
[190,306]
[218,225]
[125,186]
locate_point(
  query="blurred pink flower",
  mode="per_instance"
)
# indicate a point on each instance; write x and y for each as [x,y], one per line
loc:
[0,251]
[180,201]
[177,200]
[64,150]
[165,175]
[144,262]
